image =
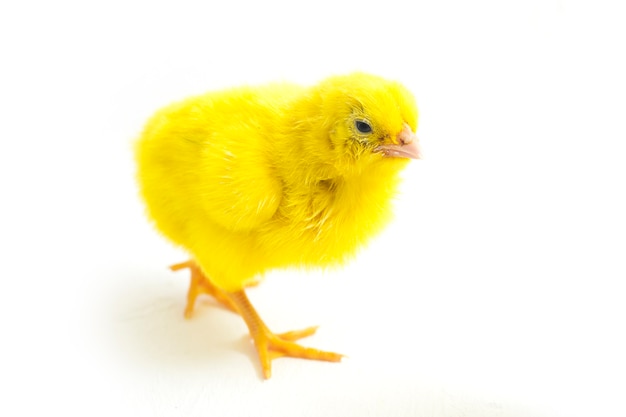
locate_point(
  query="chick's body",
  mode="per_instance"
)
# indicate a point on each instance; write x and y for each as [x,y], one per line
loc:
[254,178]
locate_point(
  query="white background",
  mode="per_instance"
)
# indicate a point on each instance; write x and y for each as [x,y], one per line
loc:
[497,291]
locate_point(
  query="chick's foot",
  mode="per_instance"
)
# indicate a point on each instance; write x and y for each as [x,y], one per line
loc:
[271,346]
[200,284]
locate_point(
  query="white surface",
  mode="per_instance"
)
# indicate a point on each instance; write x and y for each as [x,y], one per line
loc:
[498,291]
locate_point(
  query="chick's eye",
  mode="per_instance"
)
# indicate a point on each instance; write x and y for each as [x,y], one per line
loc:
[363,127]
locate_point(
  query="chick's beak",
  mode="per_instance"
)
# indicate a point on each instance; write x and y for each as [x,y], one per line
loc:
[407,146]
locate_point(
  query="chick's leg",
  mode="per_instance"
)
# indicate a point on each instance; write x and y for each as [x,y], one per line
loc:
[269,345]
[199,284]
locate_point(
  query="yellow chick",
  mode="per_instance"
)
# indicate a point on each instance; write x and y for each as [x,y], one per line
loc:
[255,178]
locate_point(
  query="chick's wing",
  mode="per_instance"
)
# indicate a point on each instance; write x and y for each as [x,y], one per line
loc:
[237,182]
[204,164]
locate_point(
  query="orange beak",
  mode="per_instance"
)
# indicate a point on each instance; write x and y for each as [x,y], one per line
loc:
[407,146]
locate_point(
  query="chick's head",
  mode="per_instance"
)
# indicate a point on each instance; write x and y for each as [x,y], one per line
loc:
[369,120]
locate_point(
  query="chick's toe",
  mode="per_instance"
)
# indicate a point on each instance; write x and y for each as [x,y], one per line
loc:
[270,345]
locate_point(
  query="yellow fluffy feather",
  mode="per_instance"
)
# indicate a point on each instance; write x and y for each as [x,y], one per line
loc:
[254,178]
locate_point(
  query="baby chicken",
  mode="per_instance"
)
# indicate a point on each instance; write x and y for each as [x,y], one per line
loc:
[255,178]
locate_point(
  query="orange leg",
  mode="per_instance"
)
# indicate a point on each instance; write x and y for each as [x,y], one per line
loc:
[269,345]
[199,284]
